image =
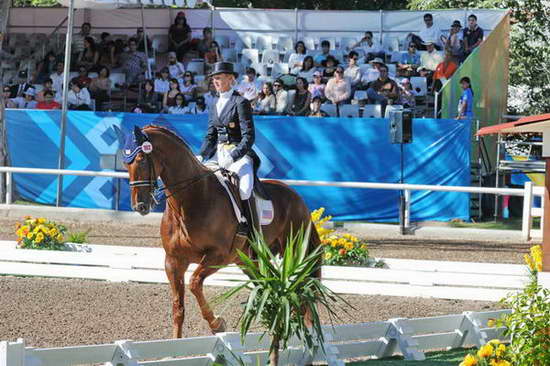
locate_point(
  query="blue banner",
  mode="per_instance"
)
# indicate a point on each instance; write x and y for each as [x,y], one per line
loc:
[330,149]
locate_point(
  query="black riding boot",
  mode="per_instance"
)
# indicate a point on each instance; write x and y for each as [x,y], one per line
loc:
[246,228]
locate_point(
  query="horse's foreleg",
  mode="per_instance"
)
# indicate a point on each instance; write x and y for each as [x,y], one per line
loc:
[217,324]
[175,270]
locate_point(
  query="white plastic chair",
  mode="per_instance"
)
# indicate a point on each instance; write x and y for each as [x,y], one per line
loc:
[349,110]
[196,67]
[261,68]
[360,95]
[279,69]
[250,56]
[310,43]
[419,85]
[264,42]
[229,54]
[270,57]
[372,111]
[285,44]
[329,109]
[392,107]
[290,97]
[117,78]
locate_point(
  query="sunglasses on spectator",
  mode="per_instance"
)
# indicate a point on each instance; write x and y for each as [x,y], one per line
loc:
[412,46]
[340,71]
[383,70]
[276,85]
[187,75]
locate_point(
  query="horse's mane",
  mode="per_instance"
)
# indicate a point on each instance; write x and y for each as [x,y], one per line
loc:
[175,136]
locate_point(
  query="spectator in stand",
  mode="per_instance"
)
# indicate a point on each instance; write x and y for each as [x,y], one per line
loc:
[180,106]
[325,52]
[317,88]
[473,35]
[211,95]
[466,102]
[410,61]
[46,86]
[116,55]
[26,101]
[89,56]
[296,59]
[188,87]
[134,63]
[372,50]
[383,90]
[45,68]
[175,67]
[212,56]
[200,106]
[329,67]
[428,32]
[455,41]
[162,82]
[249,87]
[6,96]
[104,48]
[308,68]
[78,39]
[57,77]
[179,35]
[373,73]
[139,36]
[316,108]
[407,96]
[338,89]
[302,99]
[205,44]
[148,99]
[266,102]
[79,97]
[353,72]
[83,76]
[22,85]
[429,61]
[100,88]
[48,101]
[169,99]
[444,70]
[281,97]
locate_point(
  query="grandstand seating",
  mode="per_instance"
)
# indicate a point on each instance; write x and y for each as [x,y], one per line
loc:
[250,56]
[372,111]
[349,110]
[330,109]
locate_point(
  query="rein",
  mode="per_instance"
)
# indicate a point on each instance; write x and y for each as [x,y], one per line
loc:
[188,182]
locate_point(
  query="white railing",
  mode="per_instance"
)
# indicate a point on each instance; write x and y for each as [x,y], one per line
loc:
[410,337]
[528,191]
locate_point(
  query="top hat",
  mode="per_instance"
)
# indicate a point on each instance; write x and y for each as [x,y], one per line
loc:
[456,23]
[223,68]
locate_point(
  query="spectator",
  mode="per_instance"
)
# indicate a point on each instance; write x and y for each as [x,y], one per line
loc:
[22,85]
[316,108]
[266,102]
[104,48]
[6,96]
[116,55]
[162,82]
[473,35]
[175,67]
[57,77]
[302,99]
[134,63]
[211,95]
[466,102]
[429,61]
[372,50]
[281,97]
[45,68]
[410,61]
[89,56]
[444,70]
[200,106]
[296,59]
[383,90]
[26,101]
[139,36]
[79,97]
[179,35]
[373,73]
[407,96]
[47,86]
[169,99]
[353,72]
[148,99]
[249,87]
[83,76]
[48,101]
[338,89]
[100,88]
[329,65]
[308,68]
[325,51]
[428,32]
[212,56]
[205,44]
[180,106]
[317,88]
[455,41]
[188,87]
[78,39]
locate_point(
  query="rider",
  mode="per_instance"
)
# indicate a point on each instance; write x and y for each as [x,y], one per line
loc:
[230,136]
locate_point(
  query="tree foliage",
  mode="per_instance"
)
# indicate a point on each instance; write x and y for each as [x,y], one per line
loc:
[529,48]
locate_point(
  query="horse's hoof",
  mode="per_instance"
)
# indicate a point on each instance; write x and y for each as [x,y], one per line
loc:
[218,326]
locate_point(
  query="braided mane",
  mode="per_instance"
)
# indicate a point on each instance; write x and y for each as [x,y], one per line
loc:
[170,133]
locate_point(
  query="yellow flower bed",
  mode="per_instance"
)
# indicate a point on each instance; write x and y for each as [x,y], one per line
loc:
[534,258]
[493,353]
[39,233]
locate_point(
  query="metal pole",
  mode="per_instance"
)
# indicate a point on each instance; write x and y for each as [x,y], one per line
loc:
[436,101]
[381,25]
[402,228]
[212,10]
[9,188]
[145,42]
[4,17]
[66,72]
[499,141]
[296,20]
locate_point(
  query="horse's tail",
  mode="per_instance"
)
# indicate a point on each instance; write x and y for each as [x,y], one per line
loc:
[314,243]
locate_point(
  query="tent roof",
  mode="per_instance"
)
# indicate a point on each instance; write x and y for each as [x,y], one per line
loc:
[536,123]
[113,4]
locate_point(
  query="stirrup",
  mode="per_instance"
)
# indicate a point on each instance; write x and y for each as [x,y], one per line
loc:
[242,229]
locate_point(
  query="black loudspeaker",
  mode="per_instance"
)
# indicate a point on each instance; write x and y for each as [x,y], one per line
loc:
[401,126]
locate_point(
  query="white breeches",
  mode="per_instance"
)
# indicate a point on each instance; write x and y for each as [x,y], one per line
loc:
[244,168]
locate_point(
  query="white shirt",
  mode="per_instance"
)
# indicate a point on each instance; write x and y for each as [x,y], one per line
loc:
[370,75]
[176,69]
[57,82]
[353,73]
[295,62]
[162,86]
[282,101]
[431,34]
[80,98]
[223,99]
[430,60]
[374,48]
[249,90]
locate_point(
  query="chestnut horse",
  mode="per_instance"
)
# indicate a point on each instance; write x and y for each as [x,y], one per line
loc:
[199,224]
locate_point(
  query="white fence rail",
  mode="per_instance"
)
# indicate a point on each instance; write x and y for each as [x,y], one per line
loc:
[410,337]
[528,191]
[415,278]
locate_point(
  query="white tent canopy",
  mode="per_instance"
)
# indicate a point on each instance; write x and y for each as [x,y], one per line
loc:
[113,4]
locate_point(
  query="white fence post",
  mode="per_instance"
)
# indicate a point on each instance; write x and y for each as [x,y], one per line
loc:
[399,335]
[124,355]
[407,209]
[477,336]
[232,349]
[9,188]
[527,219]
[12,353]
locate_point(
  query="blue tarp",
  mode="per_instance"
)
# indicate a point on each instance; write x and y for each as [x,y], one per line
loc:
[330,149]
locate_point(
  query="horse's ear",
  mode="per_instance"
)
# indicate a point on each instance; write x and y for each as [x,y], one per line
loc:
[139,135]
[121,137]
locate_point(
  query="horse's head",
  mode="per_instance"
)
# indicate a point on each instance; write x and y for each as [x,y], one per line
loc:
[139,160]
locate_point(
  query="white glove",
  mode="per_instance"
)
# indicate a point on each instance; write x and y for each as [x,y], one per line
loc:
[225,161]
[199,158]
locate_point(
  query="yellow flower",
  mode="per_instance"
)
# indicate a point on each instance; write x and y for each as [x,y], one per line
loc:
[41,220]
[59,237]
[500,350]
[469,360]
[491,323]
[500,363]
[39,237]
[494,342]
[53,232]
[30,236]
[485,351]
[363,246]
[328,255]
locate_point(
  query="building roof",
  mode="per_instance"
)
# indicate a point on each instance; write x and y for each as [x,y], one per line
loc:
[536,123]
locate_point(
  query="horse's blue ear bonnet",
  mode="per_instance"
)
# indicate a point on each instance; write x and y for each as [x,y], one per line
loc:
[132,145]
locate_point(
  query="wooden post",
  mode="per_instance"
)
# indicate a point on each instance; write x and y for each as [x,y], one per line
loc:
[546,220]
